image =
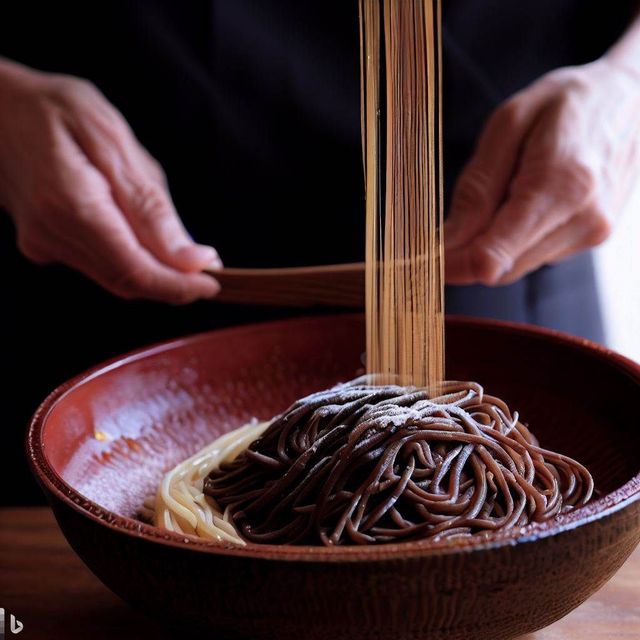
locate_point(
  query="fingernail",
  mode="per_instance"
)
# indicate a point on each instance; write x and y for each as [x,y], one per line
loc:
[204,255]
[213,260]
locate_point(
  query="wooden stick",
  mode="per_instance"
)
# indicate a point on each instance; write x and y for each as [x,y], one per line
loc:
[335,285]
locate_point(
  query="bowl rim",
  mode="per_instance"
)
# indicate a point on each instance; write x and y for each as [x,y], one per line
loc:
[55,486]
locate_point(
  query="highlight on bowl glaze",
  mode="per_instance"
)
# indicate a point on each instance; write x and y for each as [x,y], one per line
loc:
[100,443]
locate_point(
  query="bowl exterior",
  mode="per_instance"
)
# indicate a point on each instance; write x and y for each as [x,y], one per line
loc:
[489,594]
[470,593]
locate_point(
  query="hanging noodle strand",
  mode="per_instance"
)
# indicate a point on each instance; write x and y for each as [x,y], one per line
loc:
[372,462]
[402,152]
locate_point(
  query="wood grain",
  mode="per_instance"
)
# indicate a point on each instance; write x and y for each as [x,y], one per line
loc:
[47,587]
[335,285]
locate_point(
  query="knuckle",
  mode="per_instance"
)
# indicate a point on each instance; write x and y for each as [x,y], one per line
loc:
[84,87]
[490,262]
[509,115]
[472,188]
[571,182]
[580,181]
[114,129]
[598,228]
[50,115]
[536,177]
[109,120]
[157,171]
[149,202]
[67,86]
[566,83]
[86,205]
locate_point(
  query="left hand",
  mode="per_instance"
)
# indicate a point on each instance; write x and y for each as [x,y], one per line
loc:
[552,169]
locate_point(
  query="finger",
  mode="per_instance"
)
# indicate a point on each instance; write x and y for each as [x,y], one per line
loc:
[459,266]
[545,193]
[532,214]
[483,184]
[138,275]
[104,249]
[491,263]
[153,167]
[519,224]
[90,234]
[494,252]
[584,231]
[152,216]
[140,191]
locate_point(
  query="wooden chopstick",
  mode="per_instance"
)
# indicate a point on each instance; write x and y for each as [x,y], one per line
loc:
[336,285]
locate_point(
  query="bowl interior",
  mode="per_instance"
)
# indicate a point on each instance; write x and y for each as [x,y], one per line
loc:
[112,433]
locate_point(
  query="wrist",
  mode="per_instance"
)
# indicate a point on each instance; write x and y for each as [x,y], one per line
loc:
[624,55]
[627,66]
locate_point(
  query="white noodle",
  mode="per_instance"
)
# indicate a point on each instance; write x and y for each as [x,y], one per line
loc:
[181,506]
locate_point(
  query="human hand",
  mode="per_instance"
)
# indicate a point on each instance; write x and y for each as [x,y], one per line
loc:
[552,168]
[83,192]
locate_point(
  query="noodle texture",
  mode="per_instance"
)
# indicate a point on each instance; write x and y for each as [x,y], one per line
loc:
[374,460]
[402,153]
[361,464]
[180,504]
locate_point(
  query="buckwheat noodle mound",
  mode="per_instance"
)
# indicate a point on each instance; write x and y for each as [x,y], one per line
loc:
[372,461]
[361,464]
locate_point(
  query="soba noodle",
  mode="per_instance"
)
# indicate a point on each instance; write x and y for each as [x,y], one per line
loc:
[402,150]
[370,461]
[359,464]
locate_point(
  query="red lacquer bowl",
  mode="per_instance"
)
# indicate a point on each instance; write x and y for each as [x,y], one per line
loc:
[100,443]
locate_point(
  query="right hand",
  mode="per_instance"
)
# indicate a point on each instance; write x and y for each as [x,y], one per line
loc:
[83,192]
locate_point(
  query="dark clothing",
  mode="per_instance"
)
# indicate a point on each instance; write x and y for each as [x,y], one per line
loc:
[252,107]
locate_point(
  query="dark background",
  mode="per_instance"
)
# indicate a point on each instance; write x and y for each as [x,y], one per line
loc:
[252,107]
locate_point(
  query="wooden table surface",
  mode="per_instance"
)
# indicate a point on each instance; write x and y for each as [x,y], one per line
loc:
[56,597]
